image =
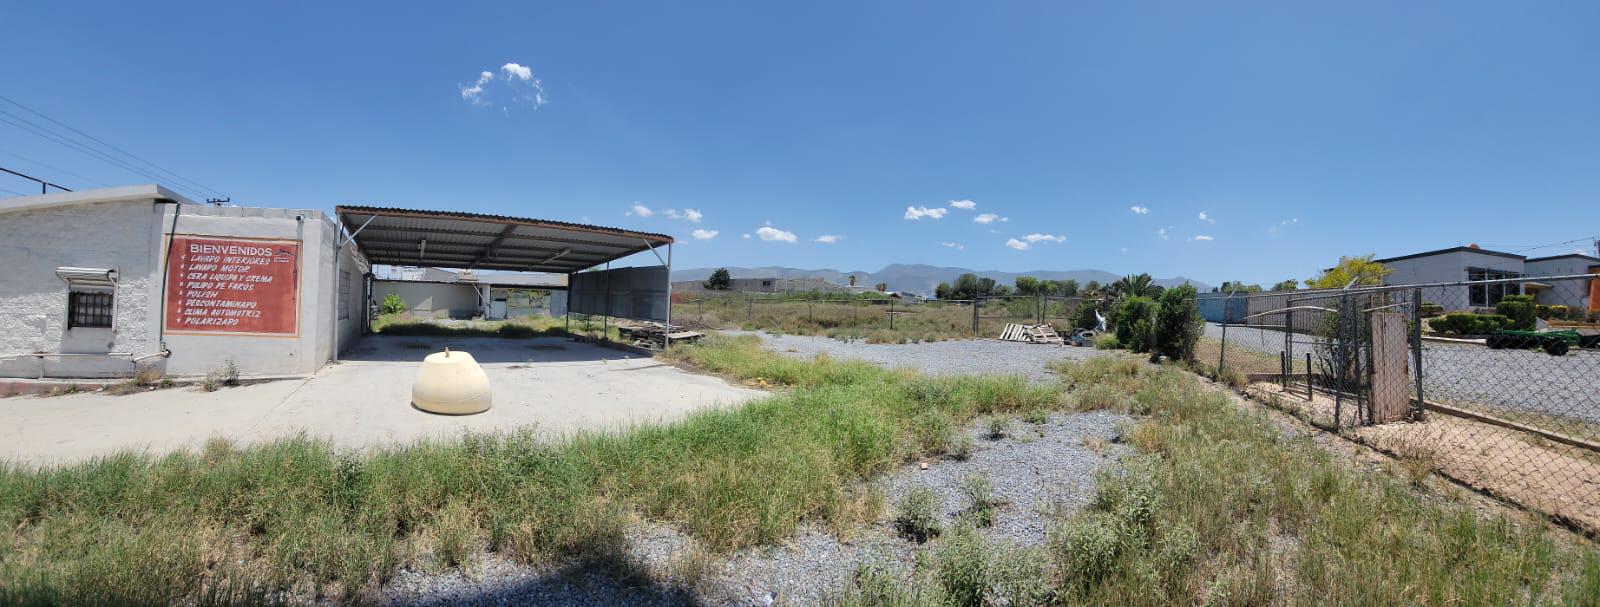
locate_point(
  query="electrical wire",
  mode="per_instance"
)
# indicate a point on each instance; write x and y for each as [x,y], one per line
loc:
[47,135]
[173,176]
[54,168]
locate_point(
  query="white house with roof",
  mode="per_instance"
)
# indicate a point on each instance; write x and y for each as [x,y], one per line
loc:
[1471,263]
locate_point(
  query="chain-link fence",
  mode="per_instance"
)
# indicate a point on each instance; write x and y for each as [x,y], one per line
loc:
[1495,383]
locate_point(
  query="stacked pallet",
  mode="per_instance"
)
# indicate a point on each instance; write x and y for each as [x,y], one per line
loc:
[1032,334]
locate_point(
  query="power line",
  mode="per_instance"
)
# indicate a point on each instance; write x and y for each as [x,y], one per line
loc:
[156,173]
[53,168]
[196,185]
[12,192]
[73,145]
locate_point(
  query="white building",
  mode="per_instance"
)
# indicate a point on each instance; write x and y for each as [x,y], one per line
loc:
[1470,263]
[102,283]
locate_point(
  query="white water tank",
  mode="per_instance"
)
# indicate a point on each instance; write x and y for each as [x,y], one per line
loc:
[451,383]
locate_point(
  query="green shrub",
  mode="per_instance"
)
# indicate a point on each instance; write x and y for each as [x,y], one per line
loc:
[1520,309]
[1556,312]
[980,493]
[963,569]
[919,515]
[1135,320]
[1178,324]
[1462,323]
[1430,310]
[393,304]
[1106,341]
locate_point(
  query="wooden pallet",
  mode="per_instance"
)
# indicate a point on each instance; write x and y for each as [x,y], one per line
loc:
[1032,334]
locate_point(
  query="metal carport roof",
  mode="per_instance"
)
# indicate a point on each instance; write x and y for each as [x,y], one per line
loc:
[451,239]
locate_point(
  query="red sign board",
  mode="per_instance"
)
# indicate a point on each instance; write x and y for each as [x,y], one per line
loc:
[233,285]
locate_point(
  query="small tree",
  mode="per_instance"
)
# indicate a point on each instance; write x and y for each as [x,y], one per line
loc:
[720,280]
[393,304]
[1178,324]
[1028,285]
[1068,288]
[943,291]
[1084,317]
[966,287]
[1362,271]
[1135,319]
[881,287]
[1287,285]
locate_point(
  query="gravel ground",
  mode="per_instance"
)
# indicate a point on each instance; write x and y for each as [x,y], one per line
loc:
[1525,380]
[957,357]
[1040,472]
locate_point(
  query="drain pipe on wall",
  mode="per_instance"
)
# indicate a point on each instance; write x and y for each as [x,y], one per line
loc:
[166,262]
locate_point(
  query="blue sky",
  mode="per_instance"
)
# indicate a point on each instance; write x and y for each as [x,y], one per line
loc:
[1301,132]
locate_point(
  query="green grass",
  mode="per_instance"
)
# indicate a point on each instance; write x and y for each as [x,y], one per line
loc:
[234,525]
[1218,507]
[865,319]
[532,326]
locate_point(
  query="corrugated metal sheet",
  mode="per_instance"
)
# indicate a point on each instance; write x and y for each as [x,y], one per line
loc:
[452,239]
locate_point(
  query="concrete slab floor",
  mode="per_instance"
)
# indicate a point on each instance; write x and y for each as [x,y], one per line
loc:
[553,385]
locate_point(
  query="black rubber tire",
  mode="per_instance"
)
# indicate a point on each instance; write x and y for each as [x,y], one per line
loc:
[1556,347]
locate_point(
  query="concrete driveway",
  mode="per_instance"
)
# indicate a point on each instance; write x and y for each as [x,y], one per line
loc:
[553,385]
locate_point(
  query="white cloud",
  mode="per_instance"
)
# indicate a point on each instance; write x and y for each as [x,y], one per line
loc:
[989,218]
[1206,218]
[953,245]
[1162,233]
[1044,238]
[640,210]
[474,93]
[703,234]
[690,214]
[1203,237]
[917,213]
[829,239]
[1017,244]
[1138,210]
[517,70]
[519,88]
[1124,249]
[965,205]
[745,236]
[771,234]
[1273,229]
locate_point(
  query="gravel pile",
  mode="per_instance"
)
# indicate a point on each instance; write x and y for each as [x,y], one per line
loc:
[957,357]
[1039,471]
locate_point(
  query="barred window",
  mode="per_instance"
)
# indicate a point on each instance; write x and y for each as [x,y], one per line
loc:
[88,309]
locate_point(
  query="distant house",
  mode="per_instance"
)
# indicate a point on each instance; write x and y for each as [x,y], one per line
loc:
[1471,263]
[435,292]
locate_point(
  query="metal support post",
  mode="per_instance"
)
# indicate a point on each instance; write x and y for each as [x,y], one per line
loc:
[891,315]
[1309,394]
[1416,349]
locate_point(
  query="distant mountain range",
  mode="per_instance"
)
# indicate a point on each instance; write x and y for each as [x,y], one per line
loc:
[919,278]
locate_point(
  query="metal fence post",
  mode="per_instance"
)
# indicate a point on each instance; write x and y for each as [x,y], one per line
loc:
[750,309]
[891,314]
[1416,348]
[1340,343]
[1227,315]
[810,317]
[974,317]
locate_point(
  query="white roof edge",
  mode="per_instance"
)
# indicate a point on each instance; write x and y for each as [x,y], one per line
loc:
[125,193]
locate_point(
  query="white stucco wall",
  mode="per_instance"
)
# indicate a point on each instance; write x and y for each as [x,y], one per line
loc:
[130,235]
[456,300]
[33,300]
[1570,293]
[1444,268]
